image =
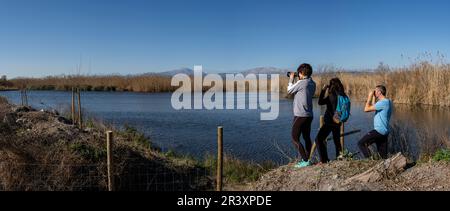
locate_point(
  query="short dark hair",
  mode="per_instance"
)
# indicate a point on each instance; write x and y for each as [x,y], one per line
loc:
[305,69]
[382,89]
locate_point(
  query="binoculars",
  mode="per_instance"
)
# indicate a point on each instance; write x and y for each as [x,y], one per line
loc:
[289,74]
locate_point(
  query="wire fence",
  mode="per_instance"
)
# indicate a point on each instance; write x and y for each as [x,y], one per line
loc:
[75,177]
[155,174]
[154,177]
[51,177]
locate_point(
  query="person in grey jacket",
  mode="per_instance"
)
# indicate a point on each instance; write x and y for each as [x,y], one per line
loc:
[303,91]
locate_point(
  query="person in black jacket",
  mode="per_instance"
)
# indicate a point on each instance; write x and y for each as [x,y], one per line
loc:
[335,88]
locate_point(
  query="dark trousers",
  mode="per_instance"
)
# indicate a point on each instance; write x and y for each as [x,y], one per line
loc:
[302,126]
[374,137]
[322,143]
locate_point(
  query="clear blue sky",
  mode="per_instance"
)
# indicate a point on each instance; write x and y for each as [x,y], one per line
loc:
[46,37]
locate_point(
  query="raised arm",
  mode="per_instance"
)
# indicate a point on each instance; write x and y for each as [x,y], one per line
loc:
[293,88]
[370,103]
[322,99]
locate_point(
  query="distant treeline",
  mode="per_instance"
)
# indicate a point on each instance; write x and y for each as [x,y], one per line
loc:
[138,83]
[5,84]
[421,83]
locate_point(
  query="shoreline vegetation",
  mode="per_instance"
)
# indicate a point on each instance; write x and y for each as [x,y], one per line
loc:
[6,85]
[43,150]
[422,83]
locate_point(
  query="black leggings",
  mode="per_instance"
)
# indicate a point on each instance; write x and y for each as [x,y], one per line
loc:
[322,143]
[302,126]
[374,137]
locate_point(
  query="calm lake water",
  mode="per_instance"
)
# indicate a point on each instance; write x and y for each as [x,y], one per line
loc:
[194,131]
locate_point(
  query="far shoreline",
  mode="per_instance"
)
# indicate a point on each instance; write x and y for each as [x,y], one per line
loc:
[282,96]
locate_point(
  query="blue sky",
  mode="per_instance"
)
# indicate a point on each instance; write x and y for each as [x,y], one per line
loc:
[47,37]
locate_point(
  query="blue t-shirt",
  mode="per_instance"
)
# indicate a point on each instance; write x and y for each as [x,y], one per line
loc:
[382,116]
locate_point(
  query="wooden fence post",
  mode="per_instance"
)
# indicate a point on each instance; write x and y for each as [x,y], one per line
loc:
[21,97]
[73,107]
[80,119]
[314,146]
[26,97]
[109,157]
[342,138]
[219,157]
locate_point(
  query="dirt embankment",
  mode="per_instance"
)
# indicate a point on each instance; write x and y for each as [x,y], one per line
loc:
[358,176]
[41,150]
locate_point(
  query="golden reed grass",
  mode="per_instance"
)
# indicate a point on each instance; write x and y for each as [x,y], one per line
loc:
[418,84]
[138,83]
[422,83]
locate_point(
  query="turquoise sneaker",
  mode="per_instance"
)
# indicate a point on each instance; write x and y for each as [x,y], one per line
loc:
[302,164]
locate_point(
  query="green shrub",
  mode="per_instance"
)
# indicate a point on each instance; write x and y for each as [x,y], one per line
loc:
[88,152]
[135,136]
[90,123]
[442,155]
[236,171]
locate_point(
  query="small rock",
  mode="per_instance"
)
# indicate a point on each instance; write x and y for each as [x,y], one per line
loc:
[9,119]
[63,120]
[21,109]
[55,112]
[335,176]
[88,130]
[20,121]
[326,187]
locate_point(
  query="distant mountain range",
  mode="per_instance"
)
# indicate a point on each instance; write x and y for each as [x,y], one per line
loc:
[186,71]
[258,70]
[266,70]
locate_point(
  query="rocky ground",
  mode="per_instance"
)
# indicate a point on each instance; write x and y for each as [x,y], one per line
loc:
[353,176]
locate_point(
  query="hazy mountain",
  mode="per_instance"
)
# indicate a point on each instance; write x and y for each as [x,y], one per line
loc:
[258,70]
[186,71]
[266,70]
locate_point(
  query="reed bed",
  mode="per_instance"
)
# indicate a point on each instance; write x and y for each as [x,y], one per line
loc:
[418,84]
[422,83]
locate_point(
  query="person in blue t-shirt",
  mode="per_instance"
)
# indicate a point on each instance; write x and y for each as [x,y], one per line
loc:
[383,111]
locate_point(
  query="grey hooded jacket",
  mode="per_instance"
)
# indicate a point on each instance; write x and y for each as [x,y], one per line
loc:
[304,91]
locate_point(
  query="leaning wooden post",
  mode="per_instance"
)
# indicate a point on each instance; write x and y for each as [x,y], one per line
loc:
[219,157]
[109,157]
[80,119]
[73,106]
[26,96]
[314,146]
[21,97]
[342,138]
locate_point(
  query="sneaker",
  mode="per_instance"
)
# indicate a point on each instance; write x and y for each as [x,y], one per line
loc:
[302,164]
